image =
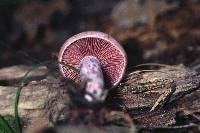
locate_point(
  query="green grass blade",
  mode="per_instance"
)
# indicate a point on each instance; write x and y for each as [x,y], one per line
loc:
[21,85]
[70,67]
[17,119]
[4,126]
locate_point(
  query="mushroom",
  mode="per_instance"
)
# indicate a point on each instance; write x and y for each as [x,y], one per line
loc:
[100,59]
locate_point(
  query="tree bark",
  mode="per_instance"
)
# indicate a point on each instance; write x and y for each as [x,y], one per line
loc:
[41,97]
[44,100]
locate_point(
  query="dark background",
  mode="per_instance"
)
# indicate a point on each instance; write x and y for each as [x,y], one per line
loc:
[163,31]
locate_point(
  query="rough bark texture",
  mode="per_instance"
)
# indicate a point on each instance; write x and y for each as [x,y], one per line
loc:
[12,75]
[41,97]
[45,101]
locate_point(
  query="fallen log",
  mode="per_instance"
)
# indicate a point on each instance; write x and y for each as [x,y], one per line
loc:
[44,98]
[41,97]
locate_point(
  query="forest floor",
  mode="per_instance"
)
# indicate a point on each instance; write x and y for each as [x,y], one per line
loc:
[153,31]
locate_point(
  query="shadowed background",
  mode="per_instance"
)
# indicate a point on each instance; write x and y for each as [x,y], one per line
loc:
[164,31]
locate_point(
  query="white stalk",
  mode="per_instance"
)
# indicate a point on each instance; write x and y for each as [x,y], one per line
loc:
[91,73]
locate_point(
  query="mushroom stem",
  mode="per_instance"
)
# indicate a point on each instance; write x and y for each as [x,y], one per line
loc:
[91,74]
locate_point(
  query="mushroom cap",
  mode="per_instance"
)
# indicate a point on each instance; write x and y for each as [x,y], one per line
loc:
[107,50]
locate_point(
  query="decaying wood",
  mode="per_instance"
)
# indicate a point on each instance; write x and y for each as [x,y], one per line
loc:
[12,75]
[40,98]
[141,90]
[151,88]
[43,101]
